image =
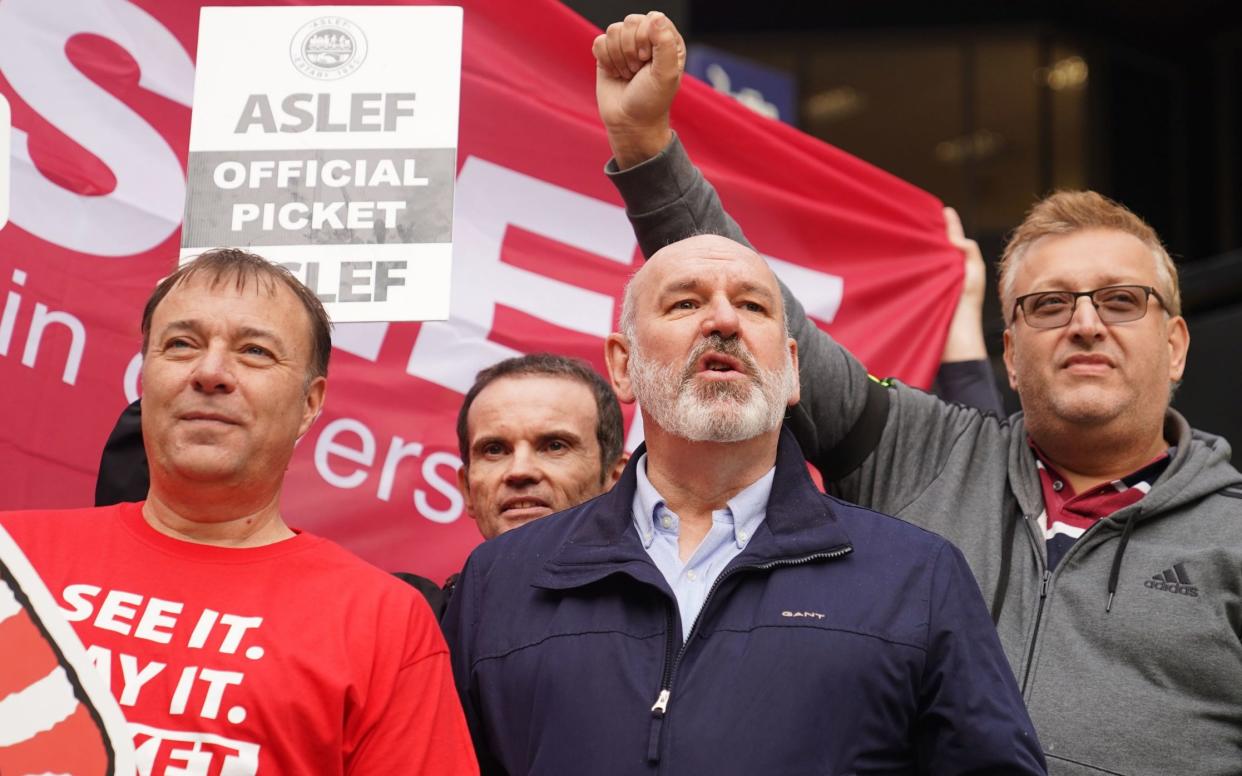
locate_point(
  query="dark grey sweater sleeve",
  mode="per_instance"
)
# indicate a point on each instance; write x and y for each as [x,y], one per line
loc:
[844,416]
[667,199]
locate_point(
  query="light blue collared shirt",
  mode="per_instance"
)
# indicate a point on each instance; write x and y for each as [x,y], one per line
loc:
[732,527]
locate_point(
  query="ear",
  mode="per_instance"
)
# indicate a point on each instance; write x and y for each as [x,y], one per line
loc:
[617,356]
[314,403]
[463,485]
[1179,345]
[1009,370]
[796,396]
[615,473]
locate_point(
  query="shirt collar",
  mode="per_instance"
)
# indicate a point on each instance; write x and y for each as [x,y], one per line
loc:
[1148,472]
[746,510]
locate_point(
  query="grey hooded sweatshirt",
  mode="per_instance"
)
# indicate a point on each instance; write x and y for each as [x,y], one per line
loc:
[1127,664]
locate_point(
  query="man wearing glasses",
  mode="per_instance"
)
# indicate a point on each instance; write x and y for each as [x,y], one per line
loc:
[1105,532]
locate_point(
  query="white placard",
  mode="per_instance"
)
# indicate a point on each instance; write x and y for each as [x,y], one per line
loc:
[324,138]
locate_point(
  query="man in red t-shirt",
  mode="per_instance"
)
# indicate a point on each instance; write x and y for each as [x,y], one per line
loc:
[232,642]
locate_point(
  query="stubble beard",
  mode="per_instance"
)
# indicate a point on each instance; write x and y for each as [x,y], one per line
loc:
[714,411]
[1054,406]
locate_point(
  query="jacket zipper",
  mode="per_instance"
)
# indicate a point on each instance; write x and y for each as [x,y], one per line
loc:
[672,661]
[1043,592]
[1039,615]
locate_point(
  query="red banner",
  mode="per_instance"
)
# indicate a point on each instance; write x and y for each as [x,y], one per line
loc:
[100,93]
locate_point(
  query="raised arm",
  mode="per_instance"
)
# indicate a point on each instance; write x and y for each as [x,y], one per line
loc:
[844,418]
[638,67]
[965,376]
[639,64]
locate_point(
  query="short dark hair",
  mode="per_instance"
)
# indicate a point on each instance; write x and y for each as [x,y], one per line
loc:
[219,264]
[609,427]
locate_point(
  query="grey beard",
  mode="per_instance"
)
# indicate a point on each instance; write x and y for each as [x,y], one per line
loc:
[715,412]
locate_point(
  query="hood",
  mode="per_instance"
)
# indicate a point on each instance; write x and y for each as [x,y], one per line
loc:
[1200,467]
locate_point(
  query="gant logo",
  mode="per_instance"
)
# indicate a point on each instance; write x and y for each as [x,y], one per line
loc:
[1174,580]
[812,615]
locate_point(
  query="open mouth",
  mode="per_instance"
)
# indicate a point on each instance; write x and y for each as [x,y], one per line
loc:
[721,364]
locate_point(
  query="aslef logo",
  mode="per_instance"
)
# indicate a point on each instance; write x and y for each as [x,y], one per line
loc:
[328,48]
[1174,580]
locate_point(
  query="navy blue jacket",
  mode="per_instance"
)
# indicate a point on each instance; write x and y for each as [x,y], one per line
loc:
[840,641]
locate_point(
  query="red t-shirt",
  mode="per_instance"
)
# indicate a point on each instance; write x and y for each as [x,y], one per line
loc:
[292,658]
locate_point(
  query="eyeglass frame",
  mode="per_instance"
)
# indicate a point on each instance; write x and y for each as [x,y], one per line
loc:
[1148,293]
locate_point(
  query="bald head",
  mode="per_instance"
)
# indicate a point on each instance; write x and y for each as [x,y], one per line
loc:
[704,347]
[691,259]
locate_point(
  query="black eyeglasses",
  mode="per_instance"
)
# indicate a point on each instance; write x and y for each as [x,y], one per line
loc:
[1114,304]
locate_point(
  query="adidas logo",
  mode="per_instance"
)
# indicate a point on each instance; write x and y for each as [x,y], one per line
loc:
[1174,580]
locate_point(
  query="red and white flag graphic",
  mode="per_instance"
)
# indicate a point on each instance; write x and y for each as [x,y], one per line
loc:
[100,92]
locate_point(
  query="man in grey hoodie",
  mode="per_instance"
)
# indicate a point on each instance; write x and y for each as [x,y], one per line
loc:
[1104,531]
